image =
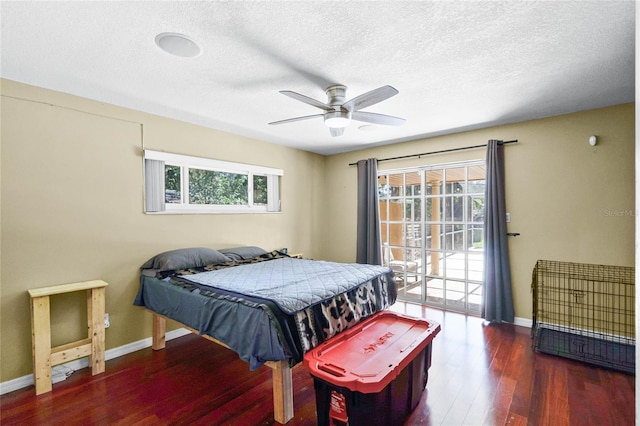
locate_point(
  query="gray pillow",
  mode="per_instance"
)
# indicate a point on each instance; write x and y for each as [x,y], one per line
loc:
[185,258]
[242,253]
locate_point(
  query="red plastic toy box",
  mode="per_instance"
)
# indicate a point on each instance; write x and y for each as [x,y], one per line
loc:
[374,373]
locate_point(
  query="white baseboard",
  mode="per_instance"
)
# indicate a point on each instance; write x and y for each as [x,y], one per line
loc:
[24,381]
[524,322]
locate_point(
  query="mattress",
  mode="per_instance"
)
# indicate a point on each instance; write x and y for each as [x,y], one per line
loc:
[272,307]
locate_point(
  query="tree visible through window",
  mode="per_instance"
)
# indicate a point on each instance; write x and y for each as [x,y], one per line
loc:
[260,190]
[220,188]
[172,193]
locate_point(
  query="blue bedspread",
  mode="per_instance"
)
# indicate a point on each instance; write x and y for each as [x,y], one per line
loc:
[293,284]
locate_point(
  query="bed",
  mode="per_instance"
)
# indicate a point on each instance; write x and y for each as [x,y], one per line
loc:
[268,307]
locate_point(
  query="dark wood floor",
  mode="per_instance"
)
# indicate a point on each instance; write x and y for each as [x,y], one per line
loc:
[481,375]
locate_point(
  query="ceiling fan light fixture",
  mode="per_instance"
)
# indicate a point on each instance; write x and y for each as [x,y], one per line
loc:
[337,114]
[337,119]
[178,45]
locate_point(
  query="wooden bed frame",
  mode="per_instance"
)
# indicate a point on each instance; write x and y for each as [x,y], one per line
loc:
[282,378]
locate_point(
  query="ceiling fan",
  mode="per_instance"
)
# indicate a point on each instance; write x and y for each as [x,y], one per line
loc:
[338,114]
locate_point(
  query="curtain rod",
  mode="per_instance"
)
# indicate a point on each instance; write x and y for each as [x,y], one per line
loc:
[437,152]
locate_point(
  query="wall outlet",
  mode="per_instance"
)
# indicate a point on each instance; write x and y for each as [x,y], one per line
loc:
[107,322]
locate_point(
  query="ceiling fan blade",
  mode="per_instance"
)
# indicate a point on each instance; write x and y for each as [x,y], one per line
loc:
[291,120]
[370,98]
[307,100]
[336,131]
[372,117]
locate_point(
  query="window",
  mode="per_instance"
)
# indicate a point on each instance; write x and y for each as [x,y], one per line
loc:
[432,233]
[183,184]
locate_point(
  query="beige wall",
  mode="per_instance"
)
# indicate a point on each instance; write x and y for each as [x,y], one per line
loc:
[569,201]
[71,205]
[72,209]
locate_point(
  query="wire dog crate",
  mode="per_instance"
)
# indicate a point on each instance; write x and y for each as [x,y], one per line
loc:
[585,312]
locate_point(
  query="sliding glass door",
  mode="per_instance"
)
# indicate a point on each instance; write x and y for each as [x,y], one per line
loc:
[432,233]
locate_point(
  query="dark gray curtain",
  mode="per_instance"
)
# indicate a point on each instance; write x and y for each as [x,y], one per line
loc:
[497,304]
[369,241]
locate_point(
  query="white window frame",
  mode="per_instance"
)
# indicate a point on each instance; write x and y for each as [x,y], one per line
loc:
[185,162]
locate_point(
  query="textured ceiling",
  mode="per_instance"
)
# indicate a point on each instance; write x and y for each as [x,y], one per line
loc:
[457,65]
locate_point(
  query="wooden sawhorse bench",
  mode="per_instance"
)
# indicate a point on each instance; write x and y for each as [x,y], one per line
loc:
[44,356]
